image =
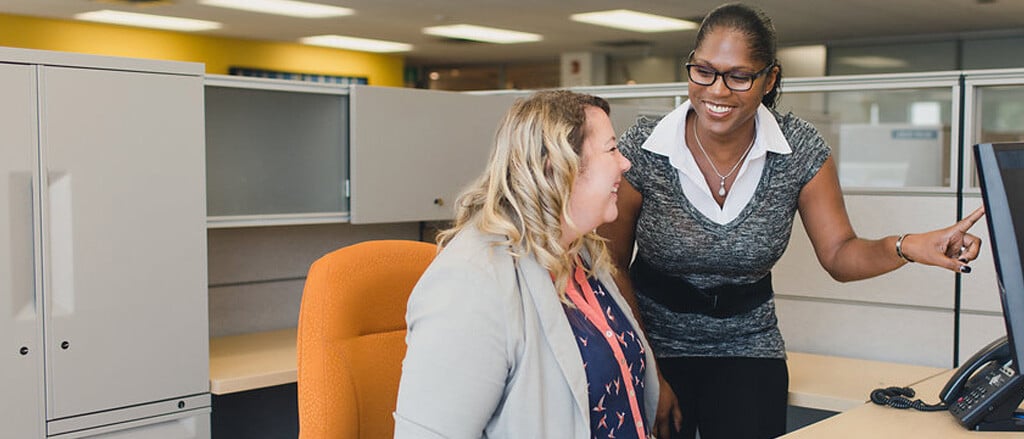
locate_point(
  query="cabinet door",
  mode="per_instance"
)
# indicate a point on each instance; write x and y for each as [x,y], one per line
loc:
[124,238]
[20,323]
[412,168]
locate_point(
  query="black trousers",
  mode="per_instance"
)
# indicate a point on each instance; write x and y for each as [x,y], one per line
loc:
[729,398]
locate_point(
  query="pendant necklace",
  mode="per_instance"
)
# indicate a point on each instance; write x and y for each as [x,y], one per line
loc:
[721,181]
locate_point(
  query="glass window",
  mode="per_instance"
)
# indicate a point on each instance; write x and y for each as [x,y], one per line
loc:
[998,117]
[625,111]
[882,138]
[999,114]
[272,152]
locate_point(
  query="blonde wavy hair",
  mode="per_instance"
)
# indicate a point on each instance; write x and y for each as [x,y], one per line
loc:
[523,193]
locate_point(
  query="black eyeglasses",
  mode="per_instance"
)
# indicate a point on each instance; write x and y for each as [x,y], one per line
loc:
[734,80]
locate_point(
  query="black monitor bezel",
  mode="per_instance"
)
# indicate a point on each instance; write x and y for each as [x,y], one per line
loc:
[1004,242]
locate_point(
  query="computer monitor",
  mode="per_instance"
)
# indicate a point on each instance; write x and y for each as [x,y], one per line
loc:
[1001,174]
[989,399]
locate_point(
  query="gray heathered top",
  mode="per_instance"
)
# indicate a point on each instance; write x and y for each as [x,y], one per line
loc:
[674,237]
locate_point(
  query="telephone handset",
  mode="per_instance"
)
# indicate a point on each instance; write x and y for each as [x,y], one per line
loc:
[986,391]
[998,351]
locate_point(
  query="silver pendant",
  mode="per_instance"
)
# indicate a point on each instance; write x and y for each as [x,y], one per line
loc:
[721,188]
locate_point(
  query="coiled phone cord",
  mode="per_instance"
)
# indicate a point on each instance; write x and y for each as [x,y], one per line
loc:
[899,397]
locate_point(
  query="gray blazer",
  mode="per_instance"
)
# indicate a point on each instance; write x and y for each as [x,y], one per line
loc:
[488,359]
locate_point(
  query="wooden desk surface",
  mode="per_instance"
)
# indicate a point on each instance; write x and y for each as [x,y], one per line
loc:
[265,359]
[252,361]
[875,421]
[826,382]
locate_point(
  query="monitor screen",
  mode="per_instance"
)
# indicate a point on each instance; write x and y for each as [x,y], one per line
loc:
[1001,173]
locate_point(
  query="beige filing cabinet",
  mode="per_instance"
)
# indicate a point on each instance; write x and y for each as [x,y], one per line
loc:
[103,309]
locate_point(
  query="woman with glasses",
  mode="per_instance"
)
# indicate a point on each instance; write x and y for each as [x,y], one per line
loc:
[709,203]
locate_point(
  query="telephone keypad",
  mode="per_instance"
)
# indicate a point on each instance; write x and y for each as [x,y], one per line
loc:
[984,384]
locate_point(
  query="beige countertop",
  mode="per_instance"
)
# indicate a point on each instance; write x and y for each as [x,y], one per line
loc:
[875,421]
[826,382]
[252,361]
[264,359]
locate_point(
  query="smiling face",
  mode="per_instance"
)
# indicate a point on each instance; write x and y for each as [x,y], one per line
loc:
[722,112]
[594,192]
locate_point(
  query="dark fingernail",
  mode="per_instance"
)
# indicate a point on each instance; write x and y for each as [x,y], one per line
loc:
[965,269]
[964,260]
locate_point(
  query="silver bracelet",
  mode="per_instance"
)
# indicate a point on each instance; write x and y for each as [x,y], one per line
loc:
[899,248]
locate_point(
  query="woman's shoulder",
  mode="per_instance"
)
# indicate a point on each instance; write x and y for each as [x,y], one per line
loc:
[809,149]
[803,136]
[472,273]
[474,249]
[635,136]
[793,125]
[632,140]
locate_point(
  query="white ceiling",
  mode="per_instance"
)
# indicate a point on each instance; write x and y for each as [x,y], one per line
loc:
[797,21]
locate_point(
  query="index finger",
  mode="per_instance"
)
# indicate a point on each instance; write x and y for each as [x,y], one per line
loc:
[969,220]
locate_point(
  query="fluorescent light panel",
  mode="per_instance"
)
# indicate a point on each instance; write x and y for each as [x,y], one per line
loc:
[360,44]
[481,33]
[282,7]
[634,21]
[148,20]
[873,62]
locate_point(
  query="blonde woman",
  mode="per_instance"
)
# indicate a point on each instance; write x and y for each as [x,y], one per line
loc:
[517,329]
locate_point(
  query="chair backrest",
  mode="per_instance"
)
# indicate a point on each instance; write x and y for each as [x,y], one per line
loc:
[351,337]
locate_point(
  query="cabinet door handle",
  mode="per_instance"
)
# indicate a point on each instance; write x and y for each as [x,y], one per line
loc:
[60,243]
[25,270]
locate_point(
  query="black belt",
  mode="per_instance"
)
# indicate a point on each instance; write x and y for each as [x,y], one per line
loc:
[679,295]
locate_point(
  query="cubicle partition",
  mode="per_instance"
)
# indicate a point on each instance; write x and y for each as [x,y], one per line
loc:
[994,112]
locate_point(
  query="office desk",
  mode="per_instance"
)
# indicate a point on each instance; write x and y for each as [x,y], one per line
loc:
[252,379]
[875,421]
[252,361]
[825,382]
[266,361]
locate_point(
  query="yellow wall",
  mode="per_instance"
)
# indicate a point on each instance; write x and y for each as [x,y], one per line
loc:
[217,53]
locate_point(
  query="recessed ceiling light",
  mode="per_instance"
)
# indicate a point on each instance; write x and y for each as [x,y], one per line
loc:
[148,20]
[360,44]
[481,33]
[873,62]
[634,21]
[282,7]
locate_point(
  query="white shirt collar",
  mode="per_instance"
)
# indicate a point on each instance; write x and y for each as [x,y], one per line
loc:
[669,137]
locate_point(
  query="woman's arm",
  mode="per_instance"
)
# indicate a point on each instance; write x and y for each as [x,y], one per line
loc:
[456,365]
[847,257]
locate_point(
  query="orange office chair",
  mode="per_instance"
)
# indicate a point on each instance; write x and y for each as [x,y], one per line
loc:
[351,338]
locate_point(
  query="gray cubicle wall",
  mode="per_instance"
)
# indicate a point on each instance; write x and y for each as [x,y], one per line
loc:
[413,151]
